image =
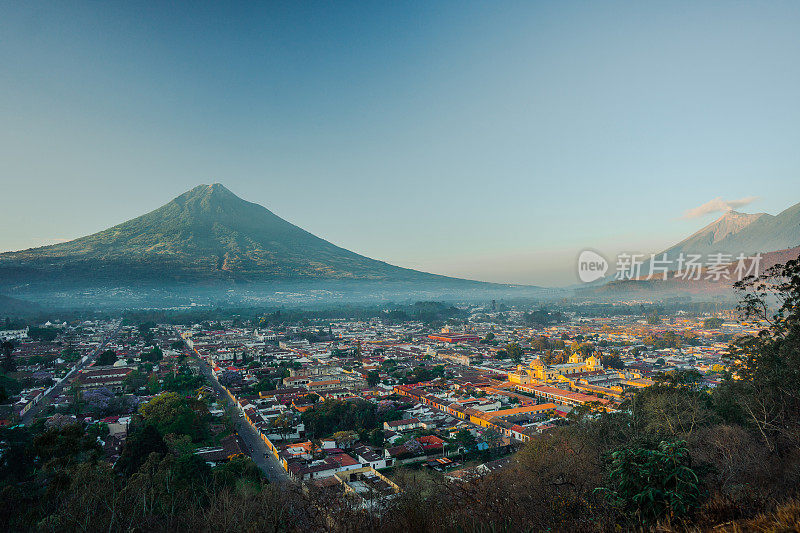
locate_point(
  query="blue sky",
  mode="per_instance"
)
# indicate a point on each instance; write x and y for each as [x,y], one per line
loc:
[486,140]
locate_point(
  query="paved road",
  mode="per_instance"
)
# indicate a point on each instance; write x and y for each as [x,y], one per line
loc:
[256,448]
[33,411]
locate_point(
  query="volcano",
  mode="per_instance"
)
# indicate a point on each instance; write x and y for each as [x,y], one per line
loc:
[205,235]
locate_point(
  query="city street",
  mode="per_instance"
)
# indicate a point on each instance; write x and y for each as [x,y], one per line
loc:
[255,447]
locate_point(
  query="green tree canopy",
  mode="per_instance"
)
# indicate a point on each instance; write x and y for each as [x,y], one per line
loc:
[108,357]
[169,413]
[514,352]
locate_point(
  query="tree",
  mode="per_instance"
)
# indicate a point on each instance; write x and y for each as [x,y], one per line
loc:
[283,424]
[231,378]
[493,438]
[675,407]
[76,397]
[169,413]
[466,440]
[145,327]
[8,386]
[764,367]
[153,355]
[612,360]
[423,373]
[153,384]
[330,416]
[373,378]
[583,348]
[542,317]
[650,484]
[183,381]
[98,400]
[58,448]
[263,384]
[141,442]
[190,471]
[514,352]
[345,439]
[376,437]
[8,364]
[539,343]
[70,354]
[46,334]
[108,357]
[237,470]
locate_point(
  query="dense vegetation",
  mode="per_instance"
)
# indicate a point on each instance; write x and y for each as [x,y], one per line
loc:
[331,416]
[53,478]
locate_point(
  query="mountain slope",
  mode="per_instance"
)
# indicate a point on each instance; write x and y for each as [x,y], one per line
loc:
[766,234]
[736,233]
[207,234]
[707,238]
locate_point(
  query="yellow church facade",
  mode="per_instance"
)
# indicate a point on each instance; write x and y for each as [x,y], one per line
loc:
[538,371]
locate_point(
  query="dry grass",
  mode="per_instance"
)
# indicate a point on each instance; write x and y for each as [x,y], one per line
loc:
[785,517]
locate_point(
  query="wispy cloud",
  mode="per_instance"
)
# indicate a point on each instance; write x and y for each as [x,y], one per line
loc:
[718,205]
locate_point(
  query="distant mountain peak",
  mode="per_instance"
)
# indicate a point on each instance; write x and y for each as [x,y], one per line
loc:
[215,190]
[732,214]
[218,188]
[735,232]
[729,223]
